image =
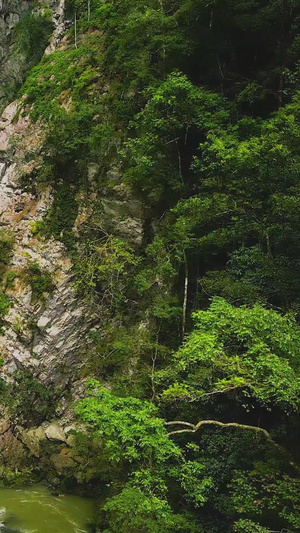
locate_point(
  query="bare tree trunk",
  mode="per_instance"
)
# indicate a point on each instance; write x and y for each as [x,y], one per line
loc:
[185,295]
[75,28]
[179,162]
[154,357]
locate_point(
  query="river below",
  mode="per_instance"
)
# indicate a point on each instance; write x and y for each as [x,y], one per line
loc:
[35,510]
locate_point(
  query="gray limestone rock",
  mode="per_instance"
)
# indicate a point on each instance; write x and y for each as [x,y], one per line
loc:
[32,439]
[55,432]
[61,462]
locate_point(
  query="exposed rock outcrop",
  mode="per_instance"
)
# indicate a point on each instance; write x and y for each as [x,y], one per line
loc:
[13,63]
[55,432]
[47,335]
[11,69]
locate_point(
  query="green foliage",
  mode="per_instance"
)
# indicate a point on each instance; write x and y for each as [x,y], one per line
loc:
[7,240]
[172,110]
[53,78]
[9,278]
[254,351]
[252,275]
[247,526]
[32,34]
[129,446]
[130,438]
[133,511]
[102,267]
[64,90]
[62,215]
[195,485]
[4,304]
[123,355]
[129,428]
[197,102]
[39,280]
[262,493]
[259,494]
[30,400]
[248,190]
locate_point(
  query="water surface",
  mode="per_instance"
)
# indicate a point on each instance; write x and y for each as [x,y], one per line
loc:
[35,510]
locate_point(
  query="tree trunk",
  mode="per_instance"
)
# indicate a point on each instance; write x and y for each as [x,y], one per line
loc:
[185,295]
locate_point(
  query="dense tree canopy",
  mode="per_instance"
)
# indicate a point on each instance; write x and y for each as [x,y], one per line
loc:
[191,107]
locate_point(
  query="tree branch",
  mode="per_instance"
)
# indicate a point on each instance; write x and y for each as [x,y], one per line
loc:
[180,431]
[221,391]
[185,296]
[180,423]
[196,427]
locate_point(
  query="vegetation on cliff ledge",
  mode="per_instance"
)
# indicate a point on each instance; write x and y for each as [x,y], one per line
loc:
[191,110]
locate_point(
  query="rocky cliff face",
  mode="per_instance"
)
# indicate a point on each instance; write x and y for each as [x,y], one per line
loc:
[11,11]
[13,61]
[48,333]
[45,335]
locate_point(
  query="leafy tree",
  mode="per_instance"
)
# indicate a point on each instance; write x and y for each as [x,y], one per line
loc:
[103,265]
[247,192]
[158,157]
[253,351]
[133,511]
[128,428]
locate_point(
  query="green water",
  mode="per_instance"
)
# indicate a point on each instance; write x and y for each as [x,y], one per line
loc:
[36,510]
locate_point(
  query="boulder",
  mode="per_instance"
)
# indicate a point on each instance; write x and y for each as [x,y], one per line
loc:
[56,433]
[32,439]
[62,461]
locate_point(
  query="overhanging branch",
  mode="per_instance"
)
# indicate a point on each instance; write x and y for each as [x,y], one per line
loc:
[193,428]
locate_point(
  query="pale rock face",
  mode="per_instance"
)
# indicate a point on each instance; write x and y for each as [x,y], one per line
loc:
[47,337]
[32,439]
[59,26]
[50,336]
[62,461]
[119,212]
[55,432]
